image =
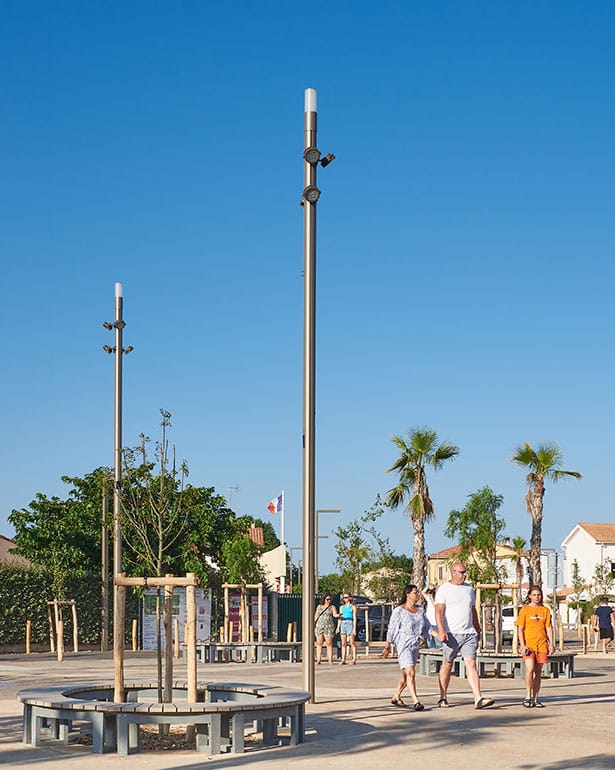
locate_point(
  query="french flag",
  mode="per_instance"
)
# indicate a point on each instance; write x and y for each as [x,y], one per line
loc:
[276,505]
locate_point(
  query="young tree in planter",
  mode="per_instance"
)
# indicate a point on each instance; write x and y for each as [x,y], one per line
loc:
[477,528]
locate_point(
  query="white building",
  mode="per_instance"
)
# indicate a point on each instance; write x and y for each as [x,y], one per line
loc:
[589,545]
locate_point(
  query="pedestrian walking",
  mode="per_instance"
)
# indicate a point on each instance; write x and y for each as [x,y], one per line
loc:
[408,625]
[536,643]
[347,627]
[458,630]
[604,623]
[324,627]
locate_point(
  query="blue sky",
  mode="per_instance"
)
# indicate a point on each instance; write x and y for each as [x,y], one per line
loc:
[465,245]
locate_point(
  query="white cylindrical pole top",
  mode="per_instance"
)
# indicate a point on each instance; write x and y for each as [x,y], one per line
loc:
[119,292]
[310,100]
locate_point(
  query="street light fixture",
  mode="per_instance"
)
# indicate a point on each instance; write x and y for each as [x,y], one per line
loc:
[310,196]
[118,611]
[311,155]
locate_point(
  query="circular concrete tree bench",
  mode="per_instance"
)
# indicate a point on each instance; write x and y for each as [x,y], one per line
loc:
[219,716]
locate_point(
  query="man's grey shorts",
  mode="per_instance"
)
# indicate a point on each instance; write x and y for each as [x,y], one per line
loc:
[461,644]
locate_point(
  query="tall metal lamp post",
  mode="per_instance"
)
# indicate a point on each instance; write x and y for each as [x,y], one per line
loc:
[317,537]
[117,350]
[310,196]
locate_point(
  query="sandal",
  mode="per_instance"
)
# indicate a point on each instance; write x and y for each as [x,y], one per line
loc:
[527,702]
[443,703]
[418,706]
[538,704]
[483,703]
[398,702]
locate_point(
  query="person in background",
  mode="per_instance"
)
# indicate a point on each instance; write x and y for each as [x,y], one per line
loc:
[347,627]
[324,627]
[407,626]
[458,630]
[604,623]
[535,642]
[430,611]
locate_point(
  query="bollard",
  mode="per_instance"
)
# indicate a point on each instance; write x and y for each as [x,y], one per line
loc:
[134,635]
[28,635]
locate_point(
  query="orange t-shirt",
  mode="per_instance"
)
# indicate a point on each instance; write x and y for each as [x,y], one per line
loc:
[534,621]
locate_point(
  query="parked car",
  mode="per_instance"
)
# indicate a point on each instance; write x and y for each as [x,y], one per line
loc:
[508,624]
[378,618]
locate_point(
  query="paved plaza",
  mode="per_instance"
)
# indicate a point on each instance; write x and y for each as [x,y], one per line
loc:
[352,725]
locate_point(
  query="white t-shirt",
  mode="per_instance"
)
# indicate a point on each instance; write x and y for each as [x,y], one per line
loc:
[458,601]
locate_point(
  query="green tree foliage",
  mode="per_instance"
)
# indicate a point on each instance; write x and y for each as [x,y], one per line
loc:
[64,536]
[418,451]
[361,547]
[477,529]
[240,558]
[602,579]
[542,464]
[334,583]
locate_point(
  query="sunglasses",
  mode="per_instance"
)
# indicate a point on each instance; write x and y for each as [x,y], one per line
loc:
[461,571]
[345,597]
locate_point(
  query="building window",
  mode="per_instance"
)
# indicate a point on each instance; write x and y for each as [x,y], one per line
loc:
[613,569]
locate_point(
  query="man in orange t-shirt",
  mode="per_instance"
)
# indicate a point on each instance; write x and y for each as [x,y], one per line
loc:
[536,643]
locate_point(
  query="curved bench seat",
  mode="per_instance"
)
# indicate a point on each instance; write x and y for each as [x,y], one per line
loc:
[219,718]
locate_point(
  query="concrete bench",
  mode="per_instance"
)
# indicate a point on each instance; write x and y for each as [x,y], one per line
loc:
[250,652]
[558,664]
[219,716]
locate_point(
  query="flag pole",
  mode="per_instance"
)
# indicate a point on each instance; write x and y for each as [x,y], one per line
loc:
[282,520]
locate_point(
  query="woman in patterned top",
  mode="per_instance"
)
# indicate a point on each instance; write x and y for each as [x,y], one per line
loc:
[407,626]
[324,627]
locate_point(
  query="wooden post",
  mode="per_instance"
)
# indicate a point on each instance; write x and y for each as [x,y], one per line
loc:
[226,618]
[260,613]
[289,632]
[60,628]
[28,635]
[134,628]
[168,642]
[52,642]
[243,631]
[73,606]
[560,630]
[191,640]
[515,639]
[56,619]
[176,637]
[118,643]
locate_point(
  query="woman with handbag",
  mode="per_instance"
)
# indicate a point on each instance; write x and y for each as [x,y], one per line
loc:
[324,627]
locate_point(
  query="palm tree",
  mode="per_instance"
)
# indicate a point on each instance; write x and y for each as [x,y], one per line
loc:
[419,450]
[518,545]
[542,464]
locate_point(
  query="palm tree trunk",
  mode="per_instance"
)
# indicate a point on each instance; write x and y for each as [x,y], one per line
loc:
[535,497]
[418,555]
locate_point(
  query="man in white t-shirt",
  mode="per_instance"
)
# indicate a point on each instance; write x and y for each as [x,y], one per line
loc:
[458,630]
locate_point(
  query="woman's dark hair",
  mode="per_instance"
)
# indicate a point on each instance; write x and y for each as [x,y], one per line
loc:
[324,598]
[404,594]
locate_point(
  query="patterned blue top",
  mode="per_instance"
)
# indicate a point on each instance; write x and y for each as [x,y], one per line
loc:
[405,632]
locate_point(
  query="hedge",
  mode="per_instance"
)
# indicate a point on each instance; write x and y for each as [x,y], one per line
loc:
[24,594]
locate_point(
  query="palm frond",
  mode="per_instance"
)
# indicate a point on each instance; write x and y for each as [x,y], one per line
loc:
[395,497]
